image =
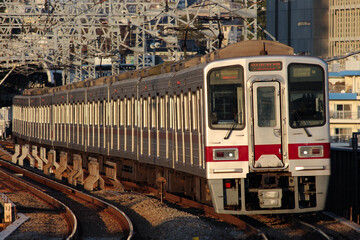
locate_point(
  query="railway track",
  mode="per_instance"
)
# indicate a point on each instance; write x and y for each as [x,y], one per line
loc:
[95,217]
[12,183]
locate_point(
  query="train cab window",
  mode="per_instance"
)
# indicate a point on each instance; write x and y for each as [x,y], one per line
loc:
[226,98]
[306,95]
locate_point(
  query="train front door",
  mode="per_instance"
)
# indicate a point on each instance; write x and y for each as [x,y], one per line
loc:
[267,125]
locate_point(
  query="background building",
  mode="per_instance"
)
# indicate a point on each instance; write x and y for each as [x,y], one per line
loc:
[302,25]
[344,27]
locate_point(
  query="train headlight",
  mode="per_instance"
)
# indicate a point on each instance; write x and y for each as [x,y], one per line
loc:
[226,154]
[311,151]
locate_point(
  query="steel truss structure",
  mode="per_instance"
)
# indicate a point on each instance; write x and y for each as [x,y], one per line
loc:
[77,35]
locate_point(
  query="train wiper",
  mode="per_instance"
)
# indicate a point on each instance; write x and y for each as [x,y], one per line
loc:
[232,127]
[301,123]
[307,132]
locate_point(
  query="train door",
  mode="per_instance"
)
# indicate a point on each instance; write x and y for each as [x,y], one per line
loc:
[267,142]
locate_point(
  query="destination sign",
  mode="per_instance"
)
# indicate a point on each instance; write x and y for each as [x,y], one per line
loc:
[265,66]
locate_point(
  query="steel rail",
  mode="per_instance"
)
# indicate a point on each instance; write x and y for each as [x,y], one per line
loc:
[68,215]
[122,219]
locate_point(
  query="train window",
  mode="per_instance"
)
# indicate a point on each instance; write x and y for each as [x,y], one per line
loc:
[69,108]
[81,113]
[67,114]
[153,113]
[145,106]
[306,95]
[116,112]
[102,108]
[72,109]
[128,104]
[226,98]
[87,115]
[90,111]
[171,112]
[162,113]
[61,114]
[96,113]
[135,107]
[93,113]
[55,114]
[178,112]
[148,112]
[133,112]
[194,112]
[75,113]
[166,111]
[185,110]
[108,113]
[157,112]
[112,114]
[122,112]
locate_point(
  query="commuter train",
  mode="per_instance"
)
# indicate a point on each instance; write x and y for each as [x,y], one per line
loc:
[245,128]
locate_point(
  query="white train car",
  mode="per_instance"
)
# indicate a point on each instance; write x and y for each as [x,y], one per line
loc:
[246,127]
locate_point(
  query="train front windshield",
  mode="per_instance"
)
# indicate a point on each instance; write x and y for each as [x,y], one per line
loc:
[226,98]
[306,95]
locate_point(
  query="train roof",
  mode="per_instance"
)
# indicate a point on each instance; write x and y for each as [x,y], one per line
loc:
[240,49]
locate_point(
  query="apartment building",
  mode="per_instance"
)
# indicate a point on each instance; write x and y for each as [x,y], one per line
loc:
[344,104]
